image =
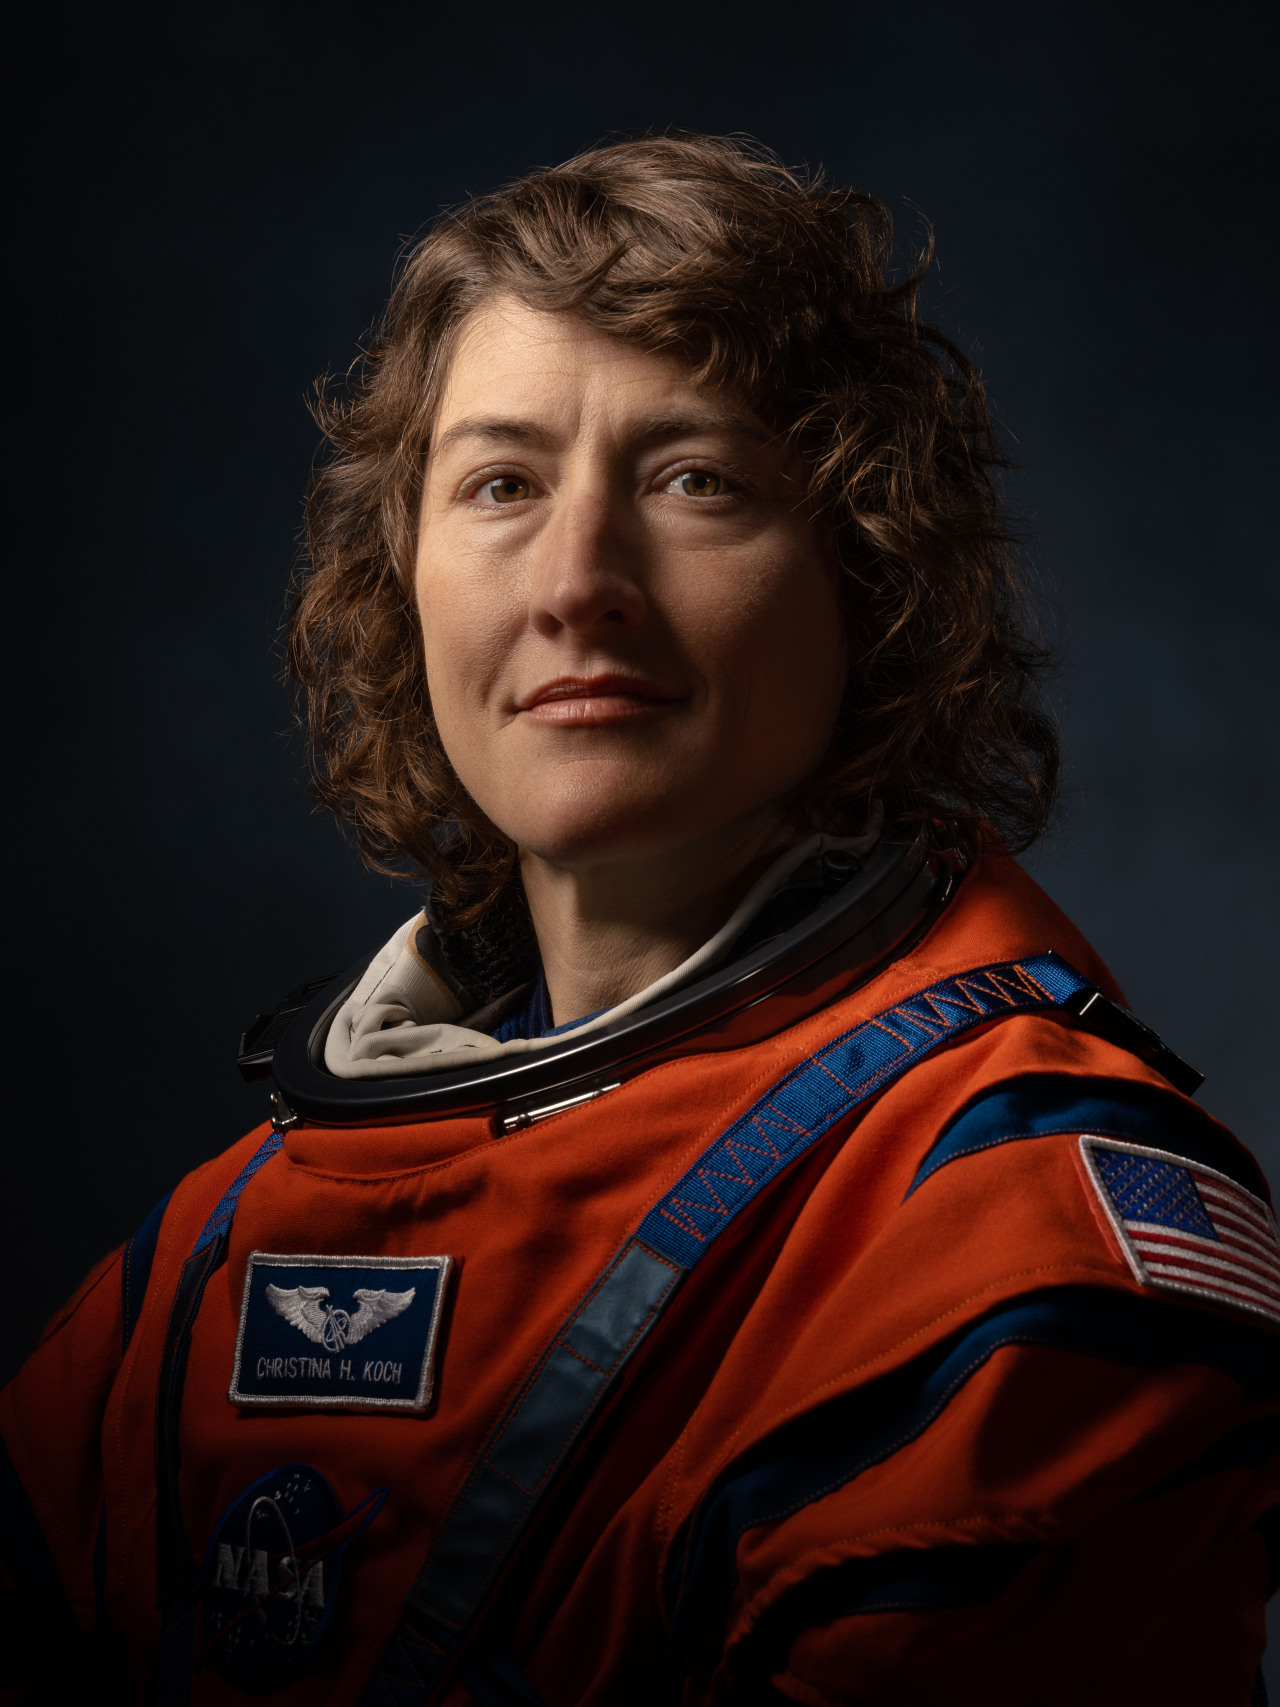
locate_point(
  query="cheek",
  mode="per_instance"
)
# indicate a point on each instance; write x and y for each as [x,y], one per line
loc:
[462,641]
[785,652]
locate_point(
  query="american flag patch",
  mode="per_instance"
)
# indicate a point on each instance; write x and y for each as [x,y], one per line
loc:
[1186,1227]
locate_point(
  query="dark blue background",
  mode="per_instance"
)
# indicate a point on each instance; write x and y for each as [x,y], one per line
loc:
[211,201]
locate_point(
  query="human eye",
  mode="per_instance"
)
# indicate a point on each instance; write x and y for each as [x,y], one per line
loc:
[502,489]
[699,483]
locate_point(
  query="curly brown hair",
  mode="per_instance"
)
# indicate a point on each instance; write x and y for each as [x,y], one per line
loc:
[772,283]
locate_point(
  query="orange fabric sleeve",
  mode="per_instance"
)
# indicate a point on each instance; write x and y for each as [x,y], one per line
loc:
[1162,1601]
[51,1425]
[1134,1573]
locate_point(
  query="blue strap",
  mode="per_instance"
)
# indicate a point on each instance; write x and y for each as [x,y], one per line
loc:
[175,1653]
[825,1089]
[589,1353]
[536,1433]
[176,1570]
[220,1221]
[135,1270]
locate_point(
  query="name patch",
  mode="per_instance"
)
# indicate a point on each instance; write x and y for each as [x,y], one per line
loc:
[358,1332]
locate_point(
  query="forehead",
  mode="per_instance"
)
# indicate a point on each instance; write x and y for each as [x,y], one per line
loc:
[513,360]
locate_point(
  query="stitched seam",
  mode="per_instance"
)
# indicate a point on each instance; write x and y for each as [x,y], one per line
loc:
[507,1534]
[641,1329]
[695,1147]
[698,1146]
[381,981]
[1018,1137]
[1194,1291]
[974,1149]
[847,1088]
[681,1166]
[817,1058]
[128,1311]
[508,1477]
[534,1368]
[563,1345]
[507,1410]
[662,1517]
[816,1557]
[858,1096]
[566,1442]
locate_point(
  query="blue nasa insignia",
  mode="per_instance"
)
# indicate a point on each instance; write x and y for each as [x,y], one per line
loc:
[358,1332]
[271,1573]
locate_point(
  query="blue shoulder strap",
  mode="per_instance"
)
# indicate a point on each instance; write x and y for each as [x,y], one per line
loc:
[177,1577]
[135,1270]
[550,1415]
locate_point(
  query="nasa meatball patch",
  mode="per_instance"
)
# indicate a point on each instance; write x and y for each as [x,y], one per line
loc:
[271,1573]
[356,1332]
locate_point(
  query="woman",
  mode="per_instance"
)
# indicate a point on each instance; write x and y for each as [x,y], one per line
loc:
[733,1244]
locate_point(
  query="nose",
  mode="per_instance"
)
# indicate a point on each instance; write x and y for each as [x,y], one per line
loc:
[587,568]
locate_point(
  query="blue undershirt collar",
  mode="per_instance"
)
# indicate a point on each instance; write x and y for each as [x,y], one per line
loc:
[533,1017]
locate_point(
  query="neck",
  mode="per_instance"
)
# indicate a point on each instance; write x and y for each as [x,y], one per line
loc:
[606,931]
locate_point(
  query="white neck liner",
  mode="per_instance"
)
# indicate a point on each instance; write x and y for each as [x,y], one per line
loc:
[401,1018]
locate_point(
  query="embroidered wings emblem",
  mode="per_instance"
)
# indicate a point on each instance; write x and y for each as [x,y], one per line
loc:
[304,1308]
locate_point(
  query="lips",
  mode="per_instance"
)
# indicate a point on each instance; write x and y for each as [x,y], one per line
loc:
[594,700]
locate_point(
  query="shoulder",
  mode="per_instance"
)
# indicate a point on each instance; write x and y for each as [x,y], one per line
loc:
[1023,1169]
[98,1320]
[201,1205]
[96,1295]
[1033,1286]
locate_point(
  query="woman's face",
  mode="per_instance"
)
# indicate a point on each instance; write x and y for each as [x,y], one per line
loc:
[633,632]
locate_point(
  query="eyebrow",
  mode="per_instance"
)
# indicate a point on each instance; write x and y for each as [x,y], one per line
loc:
[493,429]
[501,429]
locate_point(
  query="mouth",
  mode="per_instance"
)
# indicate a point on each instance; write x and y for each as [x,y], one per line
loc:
[589,701]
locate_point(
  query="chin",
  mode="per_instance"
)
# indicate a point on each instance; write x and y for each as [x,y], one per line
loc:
[581,813]
[625,824]
[600,840]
